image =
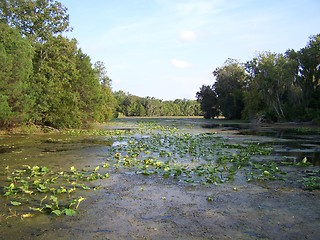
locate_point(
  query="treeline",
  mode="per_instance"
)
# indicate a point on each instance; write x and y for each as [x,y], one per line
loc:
[45,78]
[270,87]
[131,105]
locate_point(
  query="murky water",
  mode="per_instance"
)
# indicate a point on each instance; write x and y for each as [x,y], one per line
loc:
[134,206]
[295,143]
[289,141]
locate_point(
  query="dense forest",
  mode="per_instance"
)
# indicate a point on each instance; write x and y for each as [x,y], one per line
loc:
[45,78]
[273,87]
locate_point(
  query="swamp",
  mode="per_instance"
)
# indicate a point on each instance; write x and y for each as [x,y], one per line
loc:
[162,178]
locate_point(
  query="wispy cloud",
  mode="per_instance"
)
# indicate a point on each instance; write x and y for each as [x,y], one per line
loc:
[180,64]
[187,36]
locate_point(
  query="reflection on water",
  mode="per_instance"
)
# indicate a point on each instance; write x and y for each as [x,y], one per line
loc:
[293,143]
[128,201]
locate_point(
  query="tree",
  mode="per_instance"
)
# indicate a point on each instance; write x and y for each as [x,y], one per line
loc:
[230,80]
[107,104]
[208,101]
[102,74]
[309,75]
[272,75]
[45,78]
[15,69]
[54,79]
[130,105]
[36,19]
[271,86]
[105,108]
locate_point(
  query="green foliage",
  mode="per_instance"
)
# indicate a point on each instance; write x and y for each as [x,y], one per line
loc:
[208,100]
[230,80]
[54,78]
[311,183]
[309,72]
[45,78]
[273,87]
[38,189]
[130,105]
[15,69]
[5,111]
[272,75]
[38,20]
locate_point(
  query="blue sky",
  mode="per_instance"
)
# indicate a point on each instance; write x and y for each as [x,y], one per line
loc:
[169,48]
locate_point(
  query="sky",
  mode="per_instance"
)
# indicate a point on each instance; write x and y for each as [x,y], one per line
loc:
[168,49]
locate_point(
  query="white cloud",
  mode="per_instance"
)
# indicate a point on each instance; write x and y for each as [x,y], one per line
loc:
[180,64]
[187,36]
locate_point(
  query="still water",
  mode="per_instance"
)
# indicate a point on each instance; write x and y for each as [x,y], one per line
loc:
[131,206]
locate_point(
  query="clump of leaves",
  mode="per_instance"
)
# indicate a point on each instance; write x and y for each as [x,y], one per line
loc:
[52,205]
[265,171]
[304,162]
[311,183]
[28,184]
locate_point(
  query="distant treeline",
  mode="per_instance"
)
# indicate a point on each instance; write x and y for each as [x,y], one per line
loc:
[270,87]
[130,105]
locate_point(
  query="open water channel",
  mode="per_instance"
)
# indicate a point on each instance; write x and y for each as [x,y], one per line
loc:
[166,178]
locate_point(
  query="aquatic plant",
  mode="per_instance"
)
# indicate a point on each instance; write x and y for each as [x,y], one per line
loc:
[192,158]
[311,182]
[150,149]
[39,189]
[95,132]
[265,171]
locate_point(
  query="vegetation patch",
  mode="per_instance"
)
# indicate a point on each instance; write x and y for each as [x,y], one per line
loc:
[151,149]
[38,189]
[190,158]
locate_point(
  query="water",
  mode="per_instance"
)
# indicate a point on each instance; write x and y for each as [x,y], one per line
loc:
[153,207]
[291,142]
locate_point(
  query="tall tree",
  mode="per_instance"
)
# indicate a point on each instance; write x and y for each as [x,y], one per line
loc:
[55,75]
[208,101]
[230,80]
[107,104]
[36,19]
[309,73]
[63,90]
[15,69]
[272,75]
[88,88]
[101,70]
